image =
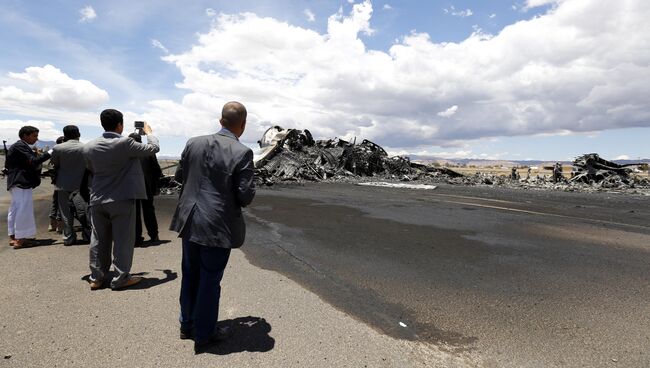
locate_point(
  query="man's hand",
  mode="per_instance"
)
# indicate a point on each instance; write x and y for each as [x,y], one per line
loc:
[147,129]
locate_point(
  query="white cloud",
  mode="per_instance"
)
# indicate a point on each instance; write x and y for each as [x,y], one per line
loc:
[449,112]
[350,1]
[210,12]
[87,14]
[157,44]
[557,72]
[49,87]
[9,130]
[310,15]
[622,157]
[458,13]
[492,16]
[537,3]
[387,7]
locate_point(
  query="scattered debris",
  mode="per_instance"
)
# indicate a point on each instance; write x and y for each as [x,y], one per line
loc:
[292,155]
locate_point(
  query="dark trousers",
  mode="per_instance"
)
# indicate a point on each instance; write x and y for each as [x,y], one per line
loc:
[201,287]
[54,208]
[149,215]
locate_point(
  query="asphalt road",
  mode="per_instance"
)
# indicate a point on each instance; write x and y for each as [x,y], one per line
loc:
[336,275]
[50,318]
[512,278]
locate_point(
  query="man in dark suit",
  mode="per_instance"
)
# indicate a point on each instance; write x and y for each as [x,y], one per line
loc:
[217,176]
[68,161]
[23,166]
[144,208]
[116,183]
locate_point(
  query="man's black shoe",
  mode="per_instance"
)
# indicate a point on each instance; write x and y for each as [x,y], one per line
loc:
[186,333]
[154,239]
[221,334]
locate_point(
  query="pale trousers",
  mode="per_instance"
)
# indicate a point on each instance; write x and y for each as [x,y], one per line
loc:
[20,218]
[113,230]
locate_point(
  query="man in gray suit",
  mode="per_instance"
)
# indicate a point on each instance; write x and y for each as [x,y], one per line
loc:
[217,176]
[68,161]
[117,181]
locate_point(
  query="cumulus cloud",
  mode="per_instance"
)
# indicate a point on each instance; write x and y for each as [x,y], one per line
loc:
[449,112]
[49,87]
[557,72]
[210,12]
[9,130]
[458,13]
[310,15]
[387,7]
[87,14]
[157,44]
[622,157]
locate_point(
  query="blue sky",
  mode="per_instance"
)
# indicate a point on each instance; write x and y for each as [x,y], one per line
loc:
[530,79]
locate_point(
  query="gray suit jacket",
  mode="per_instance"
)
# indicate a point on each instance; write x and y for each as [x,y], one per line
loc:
[113,161]
[68,161]
[217,176]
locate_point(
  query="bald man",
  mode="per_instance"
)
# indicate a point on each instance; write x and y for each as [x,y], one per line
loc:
[217,176]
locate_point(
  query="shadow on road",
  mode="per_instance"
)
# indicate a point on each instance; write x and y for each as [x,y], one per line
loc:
[146,283]
[38,243]
[150,243]
[249,334]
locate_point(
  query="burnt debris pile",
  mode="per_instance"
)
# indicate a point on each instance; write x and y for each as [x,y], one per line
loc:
[595,171]
[294,155]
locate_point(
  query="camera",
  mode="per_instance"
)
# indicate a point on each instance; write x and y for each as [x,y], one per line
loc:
[139,127]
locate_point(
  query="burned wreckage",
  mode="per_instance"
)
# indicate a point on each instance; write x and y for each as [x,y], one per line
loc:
[293,155]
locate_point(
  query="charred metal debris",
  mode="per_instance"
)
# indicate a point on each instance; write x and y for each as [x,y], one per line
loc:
[292,155]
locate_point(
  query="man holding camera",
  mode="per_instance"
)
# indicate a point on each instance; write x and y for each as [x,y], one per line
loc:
[117,182]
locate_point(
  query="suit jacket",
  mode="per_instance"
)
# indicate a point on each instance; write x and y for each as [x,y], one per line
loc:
[152,174]
[68,161]
[217,176]
[23,166]
[116,173]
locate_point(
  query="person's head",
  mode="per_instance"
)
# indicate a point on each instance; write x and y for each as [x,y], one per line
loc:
[71,132]
[29,134]
[112,121]
[136,137]
[233,117]
[60,140]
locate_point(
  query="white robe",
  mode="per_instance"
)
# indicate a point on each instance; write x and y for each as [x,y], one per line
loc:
[20,218]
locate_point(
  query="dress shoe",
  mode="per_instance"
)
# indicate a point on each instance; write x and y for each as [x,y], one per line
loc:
[154,238]
[186,333]
[219,335]
[69,242]
[130,282]
[22,243]
[96,284]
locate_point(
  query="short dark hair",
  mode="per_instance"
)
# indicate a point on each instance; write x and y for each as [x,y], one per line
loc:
[136,137]
[60,140]
[71,132]
[110,119]
[27,130]
[233,113]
